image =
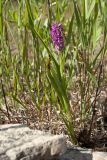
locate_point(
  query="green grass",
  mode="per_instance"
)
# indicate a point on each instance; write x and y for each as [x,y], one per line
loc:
[30,68]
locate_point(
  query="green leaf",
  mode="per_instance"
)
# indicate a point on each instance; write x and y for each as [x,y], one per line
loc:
[78,15]
[70,29]
[91,9]
[92,64]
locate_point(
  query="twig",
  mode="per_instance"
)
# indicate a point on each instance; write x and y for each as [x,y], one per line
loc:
[3,91]
[94,104]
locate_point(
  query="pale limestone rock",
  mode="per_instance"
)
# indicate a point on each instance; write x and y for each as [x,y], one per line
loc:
[18,142]
[99,155]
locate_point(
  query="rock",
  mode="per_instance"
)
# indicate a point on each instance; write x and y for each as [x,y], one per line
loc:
[18,142]
[99,155]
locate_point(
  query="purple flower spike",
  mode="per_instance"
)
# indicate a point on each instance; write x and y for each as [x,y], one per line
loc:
[57,35]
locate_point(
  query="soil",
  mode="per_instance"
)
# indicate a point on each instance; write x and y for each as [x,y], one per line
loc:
[48,120]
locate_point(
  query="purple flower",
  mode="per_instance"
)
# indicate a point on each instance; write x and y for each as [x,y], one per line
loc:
[57,35]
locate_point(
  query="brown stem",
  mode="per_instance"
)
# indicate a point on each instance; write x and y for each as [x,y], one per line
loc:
[94,103]
[4,95]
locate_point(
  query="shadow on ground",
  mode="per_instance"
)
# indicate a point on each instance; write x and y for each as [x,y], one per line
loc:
[76,154]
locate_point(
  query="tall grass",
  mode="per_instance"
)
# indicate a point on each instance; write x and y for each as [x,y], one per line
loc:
[32,73]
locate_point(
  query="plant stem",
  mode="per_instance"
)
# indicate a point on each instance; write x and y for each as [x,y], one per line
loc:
[4,95]
[94,103]
[49,14]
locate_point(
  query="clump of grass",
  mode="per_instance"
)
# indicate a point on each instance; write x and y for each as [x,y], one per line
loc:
[33,74]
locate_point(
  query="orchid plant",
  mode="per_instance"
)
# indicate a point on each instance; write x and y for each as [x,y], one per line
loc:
[44,58]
